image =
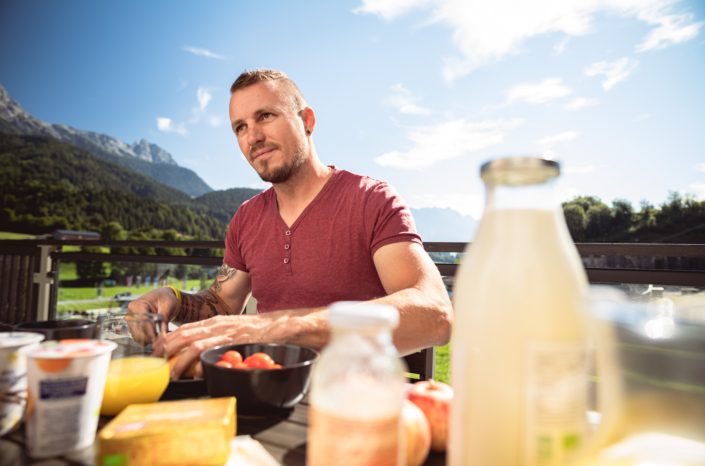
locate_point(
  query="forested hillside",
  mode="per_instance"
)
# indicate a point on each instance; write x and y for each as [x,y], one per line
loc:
[46,184]
[680,219]
[223,204]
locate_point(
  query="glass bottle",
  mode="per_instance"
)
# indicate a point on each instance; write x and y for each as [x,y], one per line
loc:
[519,338]
[357,390]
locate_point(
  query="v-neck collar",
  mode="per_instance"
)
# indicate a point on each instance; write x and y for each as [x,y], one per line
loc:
[299,219]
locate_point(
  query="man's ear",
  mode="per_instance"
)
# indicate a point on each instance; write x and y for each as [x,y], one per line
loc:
[309,119]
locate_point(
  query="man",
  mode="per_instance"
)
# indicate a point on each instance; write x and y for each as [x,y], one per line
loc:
[317,236]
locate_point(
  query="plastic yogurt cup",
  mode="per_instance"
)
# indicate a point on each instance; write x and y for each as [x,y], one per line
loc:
[66,379]
[13,377]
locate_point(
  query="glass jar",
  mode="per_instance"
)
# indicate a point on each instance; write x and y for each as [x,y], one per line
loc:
[357,389]
[519,351]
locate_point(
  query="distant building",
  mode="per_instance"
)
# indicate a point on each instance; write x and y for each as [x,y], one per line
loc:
[68,234]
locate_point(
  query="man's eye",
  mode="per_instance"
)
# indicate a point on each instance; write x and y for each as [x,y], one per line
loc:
[239,128]
[266,115]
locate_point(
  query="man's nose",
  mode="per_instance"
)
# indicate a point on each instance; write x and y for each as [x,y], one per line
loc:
[255,135]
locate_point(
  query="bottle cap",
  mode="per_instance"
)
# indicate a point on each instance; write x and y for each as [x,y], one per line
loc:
[361,315]
[519,171]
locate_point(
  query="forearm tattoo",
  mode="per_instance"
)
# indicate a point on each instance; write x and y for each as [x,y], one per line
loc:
[224,274]
[206,303]
[199,306]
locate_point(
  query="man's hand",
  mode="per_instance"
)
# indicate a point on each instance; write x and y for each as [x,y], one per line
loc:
[199,336]
[162,301]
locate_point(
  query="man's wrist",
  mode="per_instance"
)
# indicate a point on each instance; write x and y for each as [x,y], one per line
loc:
[178,296]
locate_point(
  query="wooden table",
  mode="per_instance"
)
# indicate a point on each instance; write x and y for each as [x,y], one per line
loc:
[284,437]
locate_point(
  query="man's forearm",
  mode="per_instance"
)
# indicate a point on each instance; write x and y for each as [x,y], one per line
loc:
[201,306]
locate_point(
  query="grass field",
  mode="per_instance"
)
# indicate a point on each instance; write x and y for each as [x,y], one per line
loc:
[443,363]
[8,235]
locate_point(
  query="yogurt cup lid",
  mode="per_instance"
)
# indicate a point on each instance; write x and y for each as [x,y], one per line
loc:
[70,349]
[17,339]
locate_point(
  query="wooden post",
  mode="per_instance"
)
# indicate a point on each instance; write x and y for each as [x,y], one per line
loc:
[44,279]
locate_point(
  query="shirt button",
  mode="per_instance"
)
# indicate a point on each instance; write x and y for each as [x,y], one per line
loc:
[286,246]
[288,233]
[286,261]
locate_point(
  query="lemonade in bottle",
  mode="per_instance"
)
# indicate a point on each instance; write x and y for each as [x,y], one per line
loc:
[519,339]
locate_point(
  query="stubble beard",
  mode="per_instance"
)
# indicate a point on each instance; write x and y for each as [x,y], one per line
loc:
[286,171]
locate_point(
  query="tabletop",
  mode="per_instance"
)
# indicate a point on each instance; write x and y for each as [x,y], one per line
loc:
[284,437]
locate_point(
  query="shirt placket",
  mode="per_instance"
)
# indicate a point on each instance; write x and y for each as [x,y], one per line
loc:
[287,252]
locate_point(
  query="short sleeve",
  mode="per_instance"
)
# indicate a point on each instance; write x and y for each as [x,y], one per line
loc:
[233,257]
[387,218]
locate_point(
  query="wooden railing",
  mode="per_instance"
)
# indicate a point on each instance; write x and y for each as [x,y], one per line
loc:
[29,271]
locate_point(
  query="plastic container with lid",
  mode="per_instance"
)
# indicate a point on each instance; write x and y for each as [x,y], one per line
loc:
[65,382]
[357,390]
[13,377]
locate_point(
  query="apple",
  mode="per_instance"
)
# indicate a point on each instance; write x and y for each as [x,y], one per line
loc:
[434,399]
[417,433]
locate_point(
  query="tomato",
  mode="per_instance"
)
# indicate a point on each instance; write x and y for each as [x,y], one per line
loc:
[224,364]
[259,361]
[233,357]
[276,366]
[240,365]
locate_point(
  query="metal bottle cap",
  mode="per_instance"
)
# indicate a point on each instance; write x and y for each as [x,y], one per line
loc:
[519,171]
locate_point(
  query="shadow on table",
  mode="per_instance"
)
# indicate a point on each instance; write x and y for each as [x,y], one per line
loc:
[296,456]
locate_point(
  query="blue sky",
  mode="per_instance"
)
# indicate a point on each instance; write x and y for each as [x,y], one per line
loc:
[417,93]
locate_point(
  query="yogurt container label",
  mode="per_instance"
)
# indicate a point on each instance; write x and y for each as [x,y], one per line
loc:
[66,382]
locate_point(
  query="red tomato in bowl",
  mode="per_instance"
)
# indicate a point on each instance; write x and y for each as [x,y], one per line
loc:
[233,357]
[259,361]
[222,363]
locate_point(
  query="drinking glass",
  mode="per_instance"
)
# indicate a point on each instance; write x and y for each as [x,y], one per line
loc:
[135,375]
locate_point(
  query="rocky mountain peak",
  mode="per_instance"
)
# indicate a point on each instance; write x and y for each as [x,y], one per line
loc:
[11,112]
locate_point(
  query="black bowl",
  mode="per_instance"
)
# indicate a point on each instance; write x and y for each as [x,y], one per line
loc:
[261,392]
[62,329]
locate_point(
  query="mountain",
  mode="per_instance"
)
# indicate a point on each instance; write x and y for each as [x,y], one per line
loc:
[44,160]
[444,225]
[223,204]
[143,157]
[47,184]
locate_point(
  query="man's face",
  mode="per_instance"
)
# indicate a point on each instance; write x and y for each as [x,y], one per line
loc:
[269,132]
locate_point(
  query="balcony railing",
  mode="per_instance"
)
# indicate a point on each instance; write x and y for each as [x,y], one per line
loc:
[29,269]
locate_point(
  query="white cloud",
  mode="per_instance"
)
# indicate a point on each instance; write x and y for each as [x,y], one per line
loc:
[644,116]
[543,92]
[445,141]
[203,52]
[615,71]
[214,120]
[389,9]
[673,29]
[168,126]
[203,97]
[559,48]
[700,167]
[565,136]
[405,102]
[581,102]
[698,189]
[487,31]
[464,204]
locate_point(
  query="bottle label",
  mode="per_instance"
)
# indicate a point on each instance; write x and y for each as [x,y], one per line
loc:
[341,441]
[556,402]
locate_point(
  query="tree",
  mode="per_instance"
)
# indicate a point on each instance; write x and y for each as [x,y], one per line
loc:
[599,220]
[577,221]
[94,270]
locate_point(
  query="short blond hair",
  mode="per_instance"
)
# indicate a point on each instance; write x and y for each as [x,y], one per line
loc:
[282,81]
